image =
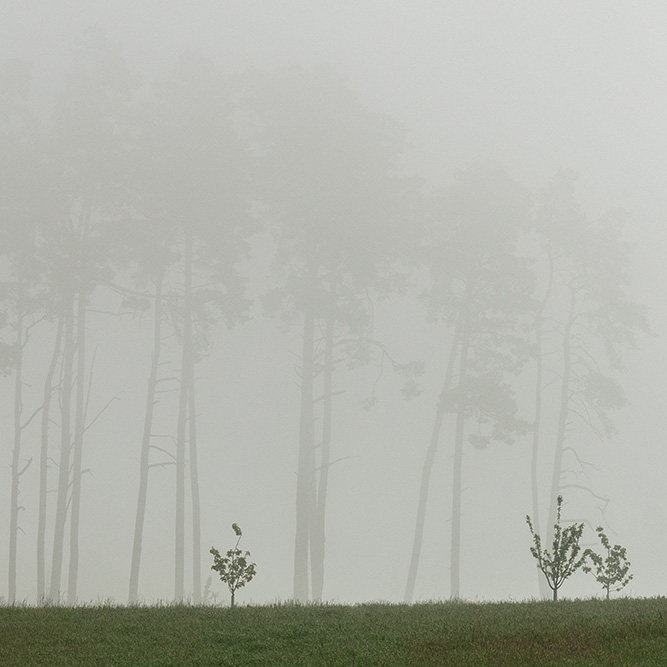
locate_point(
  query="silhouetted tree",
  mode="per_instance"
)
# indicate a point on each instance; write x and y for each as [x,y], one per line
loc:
[21,294]
[481,288]
[153,260]
[194,222]
[591,319]
[334,184]
[91,138]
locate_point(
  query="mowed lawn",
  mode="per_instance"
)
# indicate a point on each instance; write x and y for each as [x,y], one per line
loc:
[588,632]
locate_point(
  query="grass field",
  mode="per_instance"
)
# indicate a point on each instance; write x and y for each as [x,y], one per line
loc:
[588,632]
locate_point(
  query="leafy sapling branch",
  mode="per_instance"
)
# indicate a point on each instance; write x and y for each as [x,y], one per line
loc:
[611,570]
[234,569]
[563,560]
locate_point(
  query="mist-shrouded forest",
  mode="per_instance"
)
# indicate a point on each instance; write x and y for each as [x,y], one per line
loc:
[372,280]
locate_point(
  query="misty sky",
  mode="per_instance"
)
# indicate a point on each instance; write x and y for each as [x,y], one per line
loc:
[535,85]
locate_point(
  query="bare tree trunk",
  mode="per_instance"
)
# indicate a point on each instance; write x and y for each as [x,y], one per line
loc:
[44,462]
[186,383]
[564,409]
[455,584]
[79,409]
[146,445]
[305,483]
[440,412]
[318,538]
[537,423]
[194,487]
[16,472]
[65,449]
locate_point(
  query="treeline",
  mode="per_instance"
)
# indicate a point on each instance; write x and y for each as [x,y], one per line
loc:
[150,194]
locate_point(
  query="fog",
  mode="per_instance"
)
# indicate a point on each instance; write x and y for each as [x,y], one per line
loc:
[354,220]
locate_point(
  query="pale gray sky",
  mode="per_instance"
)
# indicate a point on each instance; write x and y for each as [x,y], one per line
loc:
[536,85]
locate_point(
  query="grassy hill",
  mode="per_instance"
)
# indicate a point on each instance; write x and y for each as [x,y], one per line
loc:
[589,632]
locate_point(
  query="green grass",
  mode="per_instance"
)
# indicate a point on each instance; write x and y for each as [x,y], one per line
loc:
[590,632]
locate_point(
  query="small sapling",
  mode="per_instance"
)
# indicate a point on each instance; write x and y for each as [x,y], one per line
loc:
[611,570]
[562,561]
[234,569]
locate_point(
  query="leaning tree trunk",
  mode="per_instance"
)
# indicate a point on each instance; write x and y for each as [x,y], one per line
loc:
[79,427]
[186,383]
[441,410]
[455,565]
[305,483]
[146,445]
[563,410]
[318,538]
[16,472]
[44,462]
[65,448]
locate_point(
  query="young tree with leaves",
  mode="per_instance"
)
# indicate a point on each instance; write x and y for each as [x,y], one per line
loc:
[234,569]
[563,560]
[611,569]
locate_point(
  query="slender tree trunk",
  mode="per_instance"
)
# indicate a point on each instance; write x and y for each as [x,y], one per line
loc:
[539,374]
[564,409]
[186,383]
[79,409]
[440,411]
[318,539]
[44,462]
[305,483]
[194,487]
[455,585]
[537,423]
[16,472]
[65,449]
[146,445]
[77,466]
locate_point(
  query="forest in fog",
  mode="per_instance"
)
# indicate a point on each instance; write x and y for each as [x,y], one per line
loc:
[236,296]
